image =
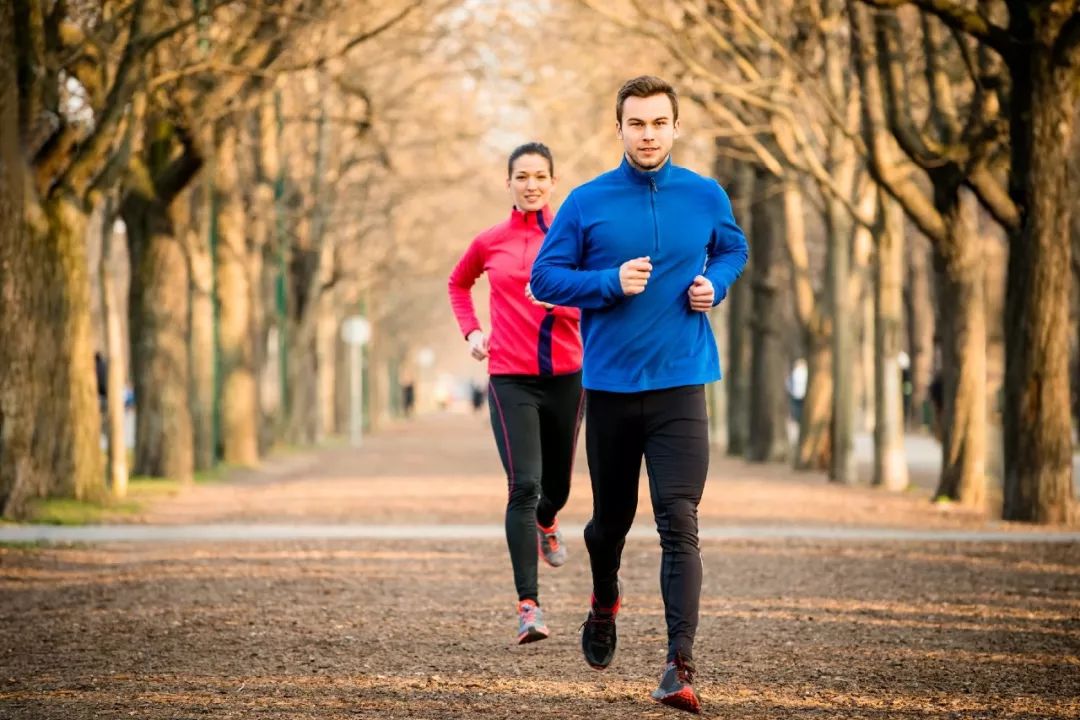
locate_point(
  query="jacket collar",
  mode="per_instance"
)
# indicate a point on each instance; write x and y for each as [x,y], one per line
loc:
[534,218]
[643,177]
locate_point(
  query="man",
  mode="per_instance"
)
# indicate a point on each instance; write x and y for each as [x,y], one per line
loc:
[645,250]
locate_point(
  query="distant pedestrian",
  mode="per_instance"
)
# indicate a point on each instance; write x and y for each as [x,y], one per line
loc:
[101,375]
[796,388]
[476,392]
[408,398]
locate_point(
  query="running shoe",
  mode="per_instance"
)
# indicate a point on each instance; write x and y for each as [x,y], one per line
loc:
[531,625]
[550,544]
[676,687]
[598,636]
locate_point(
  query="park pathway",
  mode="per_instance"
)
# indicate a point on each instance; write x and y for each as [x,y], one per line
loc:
[373,583]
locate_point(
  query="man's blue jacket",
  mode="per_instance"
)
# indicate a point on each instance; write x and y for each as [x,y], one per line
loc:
[684,224]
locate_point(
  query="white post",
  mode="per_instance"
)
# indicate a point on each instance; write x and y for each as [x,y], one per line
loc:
[356,331]
[356,405]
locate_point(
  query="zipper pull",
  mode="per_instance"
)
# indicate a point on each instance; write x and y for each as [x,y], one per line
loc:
[652,184]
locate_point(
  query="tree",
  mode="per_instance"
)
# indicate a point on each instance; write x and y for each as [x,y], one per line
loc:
[1039,47]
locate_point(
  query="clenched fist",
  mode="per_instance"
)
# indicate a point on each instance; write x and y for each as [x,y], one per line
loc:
[634,275]
[701,294]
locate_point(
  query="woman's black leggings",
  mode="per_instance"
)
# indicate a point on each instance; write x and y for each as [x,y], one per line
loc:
[669,428]
[535,420]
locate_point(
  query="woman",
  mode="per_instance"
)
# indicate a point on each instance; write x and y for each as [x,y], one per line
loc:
[534,360]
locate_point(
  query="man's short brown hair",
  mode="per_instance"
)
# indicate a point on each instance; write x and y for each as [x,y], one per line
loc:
[646,86]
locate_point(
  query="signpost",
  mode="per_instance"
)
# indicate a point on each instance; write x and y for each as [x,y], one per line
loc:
[356,331]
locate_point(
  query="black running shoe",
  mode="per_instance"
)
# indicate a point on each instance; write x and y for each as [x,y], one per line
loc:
[598,636]
[677,686]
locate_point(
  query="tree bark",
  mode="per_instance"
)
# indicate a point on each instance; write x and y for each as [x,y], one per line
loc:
[890,463]
[1037,428]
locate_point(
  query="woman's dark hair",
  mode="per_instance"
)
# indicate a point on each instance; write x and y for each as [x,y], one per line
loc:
[533,148]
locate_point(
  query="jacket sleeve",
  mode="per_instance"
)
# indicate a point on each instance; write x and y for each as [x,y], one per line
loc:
[557,276]
[728,250]
[462,278]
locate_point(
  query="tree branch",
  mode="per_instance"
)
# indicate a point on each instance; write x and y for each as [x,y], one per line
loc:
[1066,51]
[959,18]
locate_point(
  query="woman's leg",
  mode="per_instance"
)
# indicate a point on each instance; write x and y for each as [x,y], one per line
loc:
[515,420]
[561,410]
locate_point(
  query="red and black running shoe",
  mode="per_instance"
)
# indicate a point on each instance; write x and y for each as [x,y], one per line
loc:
[677,686]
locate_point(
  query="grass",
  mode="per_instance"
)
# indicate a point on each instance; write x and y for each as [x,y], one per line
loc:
[141,491]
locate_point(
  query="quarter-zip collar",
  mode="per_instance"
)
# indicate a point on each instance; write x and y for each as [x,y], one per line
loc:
[533,218]
[654,178]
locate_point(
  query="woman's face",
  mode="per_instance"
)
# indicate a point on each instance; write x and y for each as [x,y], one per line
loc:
[530,182]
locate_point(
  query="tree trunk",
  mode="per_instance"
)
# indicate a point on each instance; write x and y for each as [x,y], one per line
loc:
[919,301]
[958,262]
[236,340]
[737,368]
[158,306]
[195,228]
[890,463]
[812,452]
[842,467]
[815,427]
[260,218]
[768,440]
[1037,428]
[326,363]
[23,276]
[114,357]
[69,419]
[50,424]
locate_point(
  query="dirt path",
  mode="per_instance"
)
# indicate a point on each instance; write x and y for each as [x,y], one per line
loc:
[421,629]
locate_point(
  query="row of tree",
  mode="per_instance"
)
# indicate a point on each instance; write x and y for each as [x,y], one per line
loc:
[948,114]
[242,176]
[248,173]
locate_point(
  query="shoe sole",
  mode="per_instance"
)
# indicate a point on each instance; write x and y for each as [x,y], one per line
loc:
[684,700]
[532,635]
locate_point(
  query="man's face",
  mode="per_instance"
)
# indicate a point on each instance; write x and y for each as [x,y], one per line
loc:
[648,130]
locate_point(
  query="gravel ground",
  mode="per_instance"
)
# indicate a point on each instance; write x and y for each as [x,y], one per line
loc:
[423,629]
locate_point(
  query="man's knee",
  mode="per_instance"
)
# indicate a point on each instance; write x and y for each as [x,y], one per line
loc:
[607,530]
[677,523]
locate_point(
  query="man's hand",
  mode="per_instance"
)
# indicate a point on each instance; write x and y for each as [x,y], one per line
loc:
[634,275]
[701,294]
[533,300]
[478,344]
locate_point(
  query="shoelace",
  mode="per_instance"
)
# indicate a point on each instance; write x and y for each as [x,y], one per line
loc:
[528,614]
[602,626]
[553,541]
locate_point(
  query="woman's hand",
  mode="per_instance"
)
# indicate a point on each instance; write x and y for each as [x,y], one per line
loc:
[478,344]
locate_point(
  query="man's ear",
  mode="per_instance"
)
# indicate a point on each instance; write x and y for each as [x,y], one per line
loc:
[618,129]
[675,129]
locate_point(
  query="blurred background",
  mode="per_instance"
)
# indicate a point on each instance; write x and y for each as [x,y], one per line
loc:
[196,196]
